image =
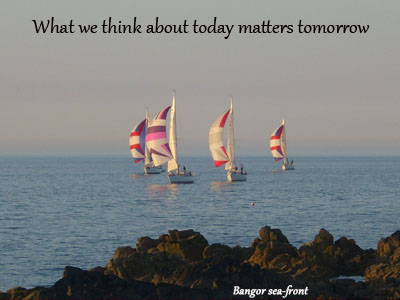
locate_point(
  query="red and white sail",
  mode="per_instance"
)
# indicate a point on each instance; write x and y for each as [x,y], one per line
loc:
[278,143]
[156,139]
[137,141]
[216,140]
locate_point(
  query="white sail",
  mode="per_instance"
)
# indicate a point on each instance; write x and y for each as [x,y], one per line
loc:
[173,163]
[216,140]
[230,165]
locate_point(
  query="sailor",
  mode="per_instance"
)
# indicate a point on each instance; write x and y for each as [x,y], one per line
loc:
[291,162]
[184,170]
[241,169]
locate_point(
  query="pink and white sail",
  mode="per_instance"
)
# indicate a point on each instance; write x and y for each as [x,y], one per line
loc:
[156,139]
[216,140]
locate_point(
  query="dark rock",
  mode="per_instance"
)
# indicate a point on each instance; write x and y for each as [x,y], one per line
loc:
[98,269]
[388,250]
[146,243]
[175,235]
[272,244]
[122,252]
[386,271]
[181,265]
[144,266]
[186,245]
[217,250]
[267,234]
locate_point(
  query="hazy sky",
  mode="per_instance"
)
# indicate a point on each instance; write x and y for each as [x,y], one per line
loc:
[72,94]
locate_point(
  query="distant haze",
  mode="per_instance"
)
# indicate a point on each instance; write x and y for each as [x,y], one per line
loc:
[82,94]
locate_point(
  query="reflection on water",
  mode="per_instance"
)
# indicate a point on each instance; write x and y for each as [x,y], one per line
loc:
[138,176]
[170,191]
[221,185]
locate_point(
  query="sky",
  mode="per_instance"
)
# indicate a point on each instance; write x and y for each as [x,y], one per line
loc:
[72,94]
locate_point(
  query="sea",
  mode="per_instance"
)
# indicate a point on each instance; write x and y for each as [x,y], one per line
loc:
[76,210]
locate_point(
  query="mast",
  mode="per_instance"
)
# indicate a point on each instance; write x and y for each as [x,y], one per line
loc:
[283,144]
[231,143]
[147,157]
[173,145]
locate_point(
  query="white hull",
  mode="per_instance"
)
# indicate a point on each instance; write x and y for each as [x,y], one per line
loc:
[180,178]
[152,170]
[287,167]
[236,176]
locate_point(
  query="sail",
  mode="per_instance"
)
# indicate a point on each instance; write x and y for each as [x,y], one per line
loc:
[137,141]
[231,144]
[275,143]
[173,163]
[156,138]
[216,140]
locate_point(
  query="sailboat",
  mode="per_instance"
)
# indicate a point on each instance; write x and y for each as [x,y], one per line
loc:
[217,148]
[278,146]
[174,175]
[139,150]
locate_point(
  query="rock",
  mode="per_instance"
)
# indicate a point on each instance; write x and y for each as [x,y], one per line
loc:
[216,250]
[144,266]
[186,244]
[16,293]
[238,252]
[350,259]
[322,240]
[272,244]
[146,243]
[383,272]
[386,271]
[255,242]
[98,269]
[122,252]
[175,235]
[322,258]
[388,249]
[267,234]
[242,253]
[182,265]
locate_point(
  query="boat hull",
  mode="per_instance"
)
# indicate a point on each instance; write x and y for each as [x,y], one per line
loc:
[236,176]
[287,167]
[180,178]
[152,170]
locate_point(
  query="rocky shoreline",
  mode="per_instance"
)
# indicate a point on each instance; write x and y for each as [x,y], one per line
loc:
[182,265]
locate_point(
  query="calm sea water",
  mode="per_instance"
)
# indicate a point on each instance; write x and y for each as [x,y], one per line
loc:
[58,211]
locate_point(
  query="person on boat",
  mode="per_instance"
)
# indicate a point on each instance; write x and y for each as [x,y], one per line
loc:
[241,169]
[291,162]
[184,170]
